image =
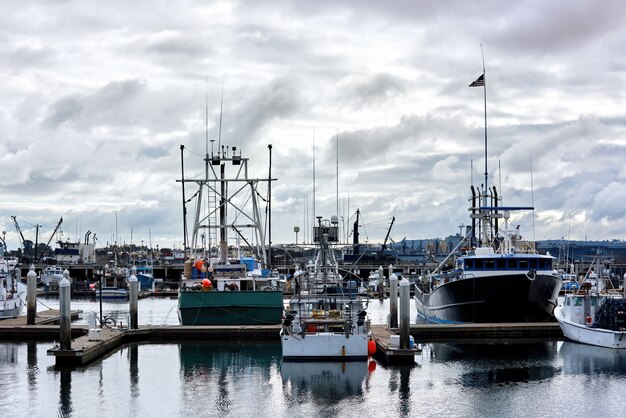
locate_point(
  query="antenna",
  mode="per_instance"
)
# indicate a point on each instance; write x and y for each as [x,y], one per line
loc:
[337,155]
[313,173]
[532,193]
[219,137]
[206,114]
[500,178]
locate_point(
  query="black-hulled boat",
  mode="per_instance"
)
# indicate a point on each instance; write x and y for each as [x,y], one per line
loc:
[502,280]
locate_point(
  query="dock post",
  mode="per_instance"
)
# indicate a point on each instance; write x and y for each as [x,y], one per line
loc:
[65,327]
[393,301]
[133,286]
[405,313]
[31,296]
[381,282]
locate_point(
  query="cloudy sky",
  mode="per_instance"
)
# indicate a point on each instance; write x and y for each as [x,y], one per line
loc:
[97,98]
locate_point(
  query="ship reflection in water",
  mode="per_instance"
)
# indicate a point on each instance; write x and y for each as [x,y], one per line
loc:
[250,379]
[330,382]
[592,360]
[501,363]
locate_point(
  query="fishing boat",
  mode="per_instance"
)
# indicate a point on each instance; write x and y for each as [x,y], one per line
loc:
[499,277]
[51,274]
[594,314]
[326,319]
[502,280]
[144,272]
[219,287]
[113,284]
[12,291]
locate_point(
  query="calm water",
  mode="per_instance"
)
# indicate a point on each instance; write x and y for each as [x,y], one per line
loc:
[249,379]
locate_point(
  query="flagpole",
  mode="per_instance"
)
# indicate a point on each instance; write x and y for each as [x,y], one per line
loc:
[485,101]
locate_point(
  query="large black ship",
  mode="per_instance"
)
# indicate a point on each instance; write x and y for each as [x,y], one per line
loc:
[501,278]
[492,287]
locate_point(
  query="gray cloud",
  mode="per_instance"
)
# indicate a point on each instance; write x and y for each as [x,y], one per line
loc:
[98,97]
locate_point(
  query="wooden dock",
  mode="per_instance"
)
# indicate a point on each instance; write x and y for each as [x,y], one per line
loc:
[496,331]
[85,350]
[391,354]
[46,327]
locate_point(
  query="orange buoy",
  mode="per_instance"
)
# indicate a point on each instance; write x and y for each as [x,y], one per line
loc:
[371,347]
[206,283]
[588,319]
[371,366]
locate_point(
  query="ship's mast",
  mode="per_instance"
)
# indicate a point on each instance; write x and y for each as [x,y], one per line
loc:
[237,208]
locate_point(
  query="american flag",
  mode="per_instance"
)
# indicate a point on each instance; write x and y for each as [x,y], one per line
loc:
[479,82]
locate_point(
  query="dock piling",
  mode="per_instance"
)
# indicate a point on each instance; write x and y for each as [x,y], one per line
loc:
[31,296]
[381,283]
[133,286]
[405,314]
[393,301]
[65,326]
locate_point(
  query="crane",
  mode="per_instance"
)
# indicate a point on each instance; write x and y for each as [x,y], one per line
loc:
[48,243]
[19,231]
[388,232]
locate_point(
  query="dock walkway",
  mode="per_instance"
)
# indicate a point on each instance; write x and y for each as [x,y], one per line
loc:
[85,350]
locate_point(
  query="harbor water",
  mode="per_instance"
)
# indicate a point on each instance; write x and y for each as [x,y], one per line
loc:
[239,379]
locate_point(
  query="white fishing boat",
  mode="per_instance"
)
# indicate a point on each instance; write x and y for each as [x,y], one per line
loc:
[51,274]
[594,315]
[12,291]
[326,319]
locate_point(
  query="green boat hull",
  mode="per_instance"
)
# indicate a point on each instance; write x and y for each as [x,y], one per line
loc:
[230,308]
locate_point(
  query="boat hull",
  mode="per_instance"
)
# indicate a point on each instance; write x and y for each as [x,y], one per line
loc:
[324,346]
[13,307]
[496,298]
[196,307]
[587,335]
[119,294]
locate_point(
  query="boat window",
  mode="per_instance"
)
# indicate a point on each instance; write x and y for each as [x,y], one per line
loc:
[490,264]
[500,264]
[532,264]
[469,264]
[541,264]
[593,301]
[549,264]
[511,264]
[567,301]
[478,264]
[523,264]
[578,301]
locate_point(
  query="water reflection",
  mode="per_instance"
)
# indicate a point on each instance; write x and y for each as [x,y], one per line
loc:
[212,370]
[500,363]
[8,354]
[324,382]
[65,393]
[400,381]
[133,359]
[490,351]
[591,360]
[32,369]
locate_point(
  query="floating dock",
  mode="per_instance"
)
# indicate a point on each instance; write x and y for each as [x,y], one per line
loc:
[85,349]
